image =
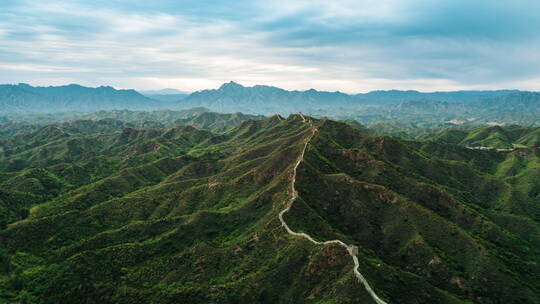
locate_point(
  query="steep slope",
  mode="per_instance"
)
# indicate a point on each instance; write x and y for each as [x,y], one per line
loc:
[352,250]
[530,138]
[489,137]
[440,228]
[184,215]
[189,228]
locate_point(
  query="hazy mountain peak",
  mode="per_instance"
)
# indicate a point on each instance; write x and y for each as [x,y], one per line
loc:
[109,88]
[75,85]
[230,85]
[23,98]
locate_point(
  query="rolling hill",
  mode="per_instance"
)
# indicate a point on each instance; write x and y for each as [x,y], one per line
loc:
[501,137]
[183,215]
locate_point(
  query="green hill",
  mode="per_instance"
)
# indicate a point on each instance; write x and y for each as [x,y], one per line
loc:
[501,137]
[183,215]
[531,138]
[489,137]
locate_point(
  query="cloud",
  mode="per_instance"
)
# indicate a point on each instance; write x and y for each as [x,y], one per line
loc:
[464,41]
[334,45]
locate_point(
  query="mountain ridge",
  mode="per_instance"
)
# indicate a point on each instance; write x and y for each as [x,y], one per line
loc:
[24,98]
[229,97]
[187,215]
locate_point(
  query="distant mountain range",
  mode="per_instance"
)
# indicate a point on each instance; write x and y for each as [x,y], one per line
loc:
[421,109]
[24,98]
[232,96]
[508,106]
[395,96]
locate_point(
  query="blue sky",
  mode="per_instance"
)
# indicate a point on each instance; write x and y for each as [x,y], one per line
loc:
[351,46]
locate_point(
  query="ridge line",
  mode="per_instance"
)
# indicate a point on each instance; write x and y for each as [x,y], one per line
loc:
[352,250]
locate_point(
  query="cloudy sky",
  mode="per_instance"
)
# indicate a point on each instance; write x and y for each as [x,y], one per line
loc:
[351,46]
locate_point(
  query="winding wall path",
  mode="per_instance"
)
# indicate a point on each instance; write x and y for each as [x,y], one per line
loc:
[351,249]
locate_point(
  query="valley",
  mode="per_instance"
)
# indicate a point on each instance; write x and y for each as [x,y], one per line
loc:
[262,211]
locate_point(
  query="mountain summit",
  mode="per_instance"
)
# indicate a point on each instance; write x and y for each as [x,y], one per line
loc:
[231,85]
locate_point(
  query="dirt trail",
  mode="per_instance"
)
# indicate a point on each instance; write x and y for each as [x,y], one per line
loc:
[351,249]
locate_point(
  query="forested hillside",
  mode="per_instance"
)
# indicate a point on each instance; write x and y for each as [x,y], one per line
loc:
[115,213]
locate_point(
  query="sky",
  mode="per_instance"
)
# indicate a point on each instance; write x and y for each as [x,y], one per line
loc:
[340,45]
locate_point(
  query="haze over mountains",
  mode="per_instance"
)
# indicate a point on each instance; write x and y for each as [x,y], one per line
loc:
[267,99]
[233,97]
[24,98]
[165,95]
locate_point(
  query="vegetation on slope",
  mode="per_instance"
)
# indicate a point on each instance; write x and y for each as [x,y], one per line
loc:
[175,215]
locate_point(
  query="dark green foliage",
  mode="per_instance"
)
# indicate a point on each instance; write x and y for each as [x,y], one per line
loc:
[109,211]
